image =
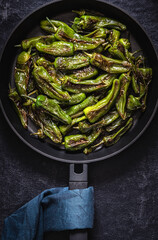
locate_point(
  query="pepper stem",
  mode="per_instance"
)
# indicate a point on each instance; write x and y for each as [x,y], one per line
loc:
[18,45]
[33,99]
[55,28]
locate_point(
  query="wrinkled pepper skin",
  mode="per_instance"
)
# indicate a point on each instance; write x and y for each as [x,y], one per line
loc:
[22,72]
[133,103]
[87,86]
[65,33]
[108,64]
[71,63]
[53,109]
[31,42]
[74,99]
[93,113]
[87,22]
[98,33]
[60,48]
[51,25]
[65,128]
[125,80]
[22,114]
[84,73]
[135,85]
[50,128]
[79,107]
[49,66]
[115,125]
[47,84]
[114,36]
[85,127]
[78,142]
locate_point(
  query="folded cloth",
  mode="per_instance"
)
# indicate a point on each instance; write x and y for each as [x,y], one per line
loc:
[55,209]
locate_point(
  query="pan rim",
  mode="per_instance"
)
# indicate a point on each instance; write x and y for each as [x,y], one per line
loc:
[67,160]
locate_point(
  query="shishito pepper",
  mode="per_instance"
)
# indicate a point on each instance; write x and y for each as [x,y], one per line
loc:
[98,33]
[65,128]
[22,70]
[111,139]
[51,25]
[84,73]
[59,48]
[65,33]
[108,64]
[93,113]
[48,85]
[31,42]
[106,120]
[133,103]
[79,107]
[53,109]
[87,22]
[77,142]
[125,80]
[87,86]
[114,36]
[71,63]
[22,113]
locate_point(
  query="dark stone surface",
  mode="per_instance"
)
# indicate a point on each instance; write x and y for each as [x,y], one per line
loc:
[126,193]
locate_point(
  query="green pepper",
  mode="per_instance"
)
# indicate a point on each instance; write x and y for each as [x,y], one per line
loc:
[133,103]
[77,108]
[65,33]
[114,36]
[71,63]
[108,64]
[87,22]
[98,33]
[48,85]
[22,114]
[74,99]
[22,70]
[113,138]
[135,85]
[125,80]
[116,124]
[93,113]
[106,120]
[77,142]
[87,86]
[51,25]
[31,42]
[53,109]
[84,73]
[60,48]
[65,128]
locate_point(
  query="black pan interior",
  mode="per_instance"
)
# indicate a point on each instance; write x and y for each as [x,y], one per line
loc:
[62,10]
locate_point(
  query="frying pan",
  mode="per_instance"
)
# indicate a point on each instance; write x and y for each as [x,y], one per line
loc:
[62,10]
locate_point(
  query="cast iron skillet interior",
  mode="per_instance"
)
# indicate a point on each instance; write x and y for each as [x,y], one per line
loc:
[29,27]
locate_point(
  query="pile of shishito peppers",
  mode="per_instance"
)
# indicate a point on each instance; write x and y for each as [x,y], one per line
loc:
[81,85]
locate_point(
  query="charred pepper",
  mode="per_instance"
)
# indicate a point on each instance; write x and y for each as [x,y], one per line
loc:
[93,113]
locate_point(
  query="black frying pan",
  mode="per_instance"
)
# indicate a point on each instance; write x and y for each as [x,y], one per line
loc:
[29,27]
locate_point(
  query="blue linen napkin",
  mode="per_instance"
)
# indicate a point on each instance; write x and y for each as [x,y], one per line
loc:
[55,209]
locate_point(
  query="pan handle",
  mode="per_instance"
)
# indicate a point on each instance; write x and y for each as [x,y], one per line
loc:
[78,180]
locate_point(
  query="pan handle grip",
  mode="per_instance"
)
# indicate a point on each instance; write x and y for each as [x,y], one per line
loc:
[78,180]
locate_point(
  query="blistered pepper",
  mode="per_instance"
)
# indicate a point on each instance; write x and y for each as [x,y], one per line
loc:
[106,120]
[93,113]
[31,42]
[87,22]
[77,108]
[59,48]
[77,142]
[111,139]
[102,82]
[125,80]
[133,103]
[51,25]
[22,70]
[65,128]
[48,85]
[53,109]
[71,63]
[84,73]
[108,64]
[22,113]
[65,33]
[98,33]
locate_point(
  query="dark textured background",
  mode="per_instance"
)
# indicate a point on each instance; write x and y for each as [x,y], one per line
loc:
[126,192]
